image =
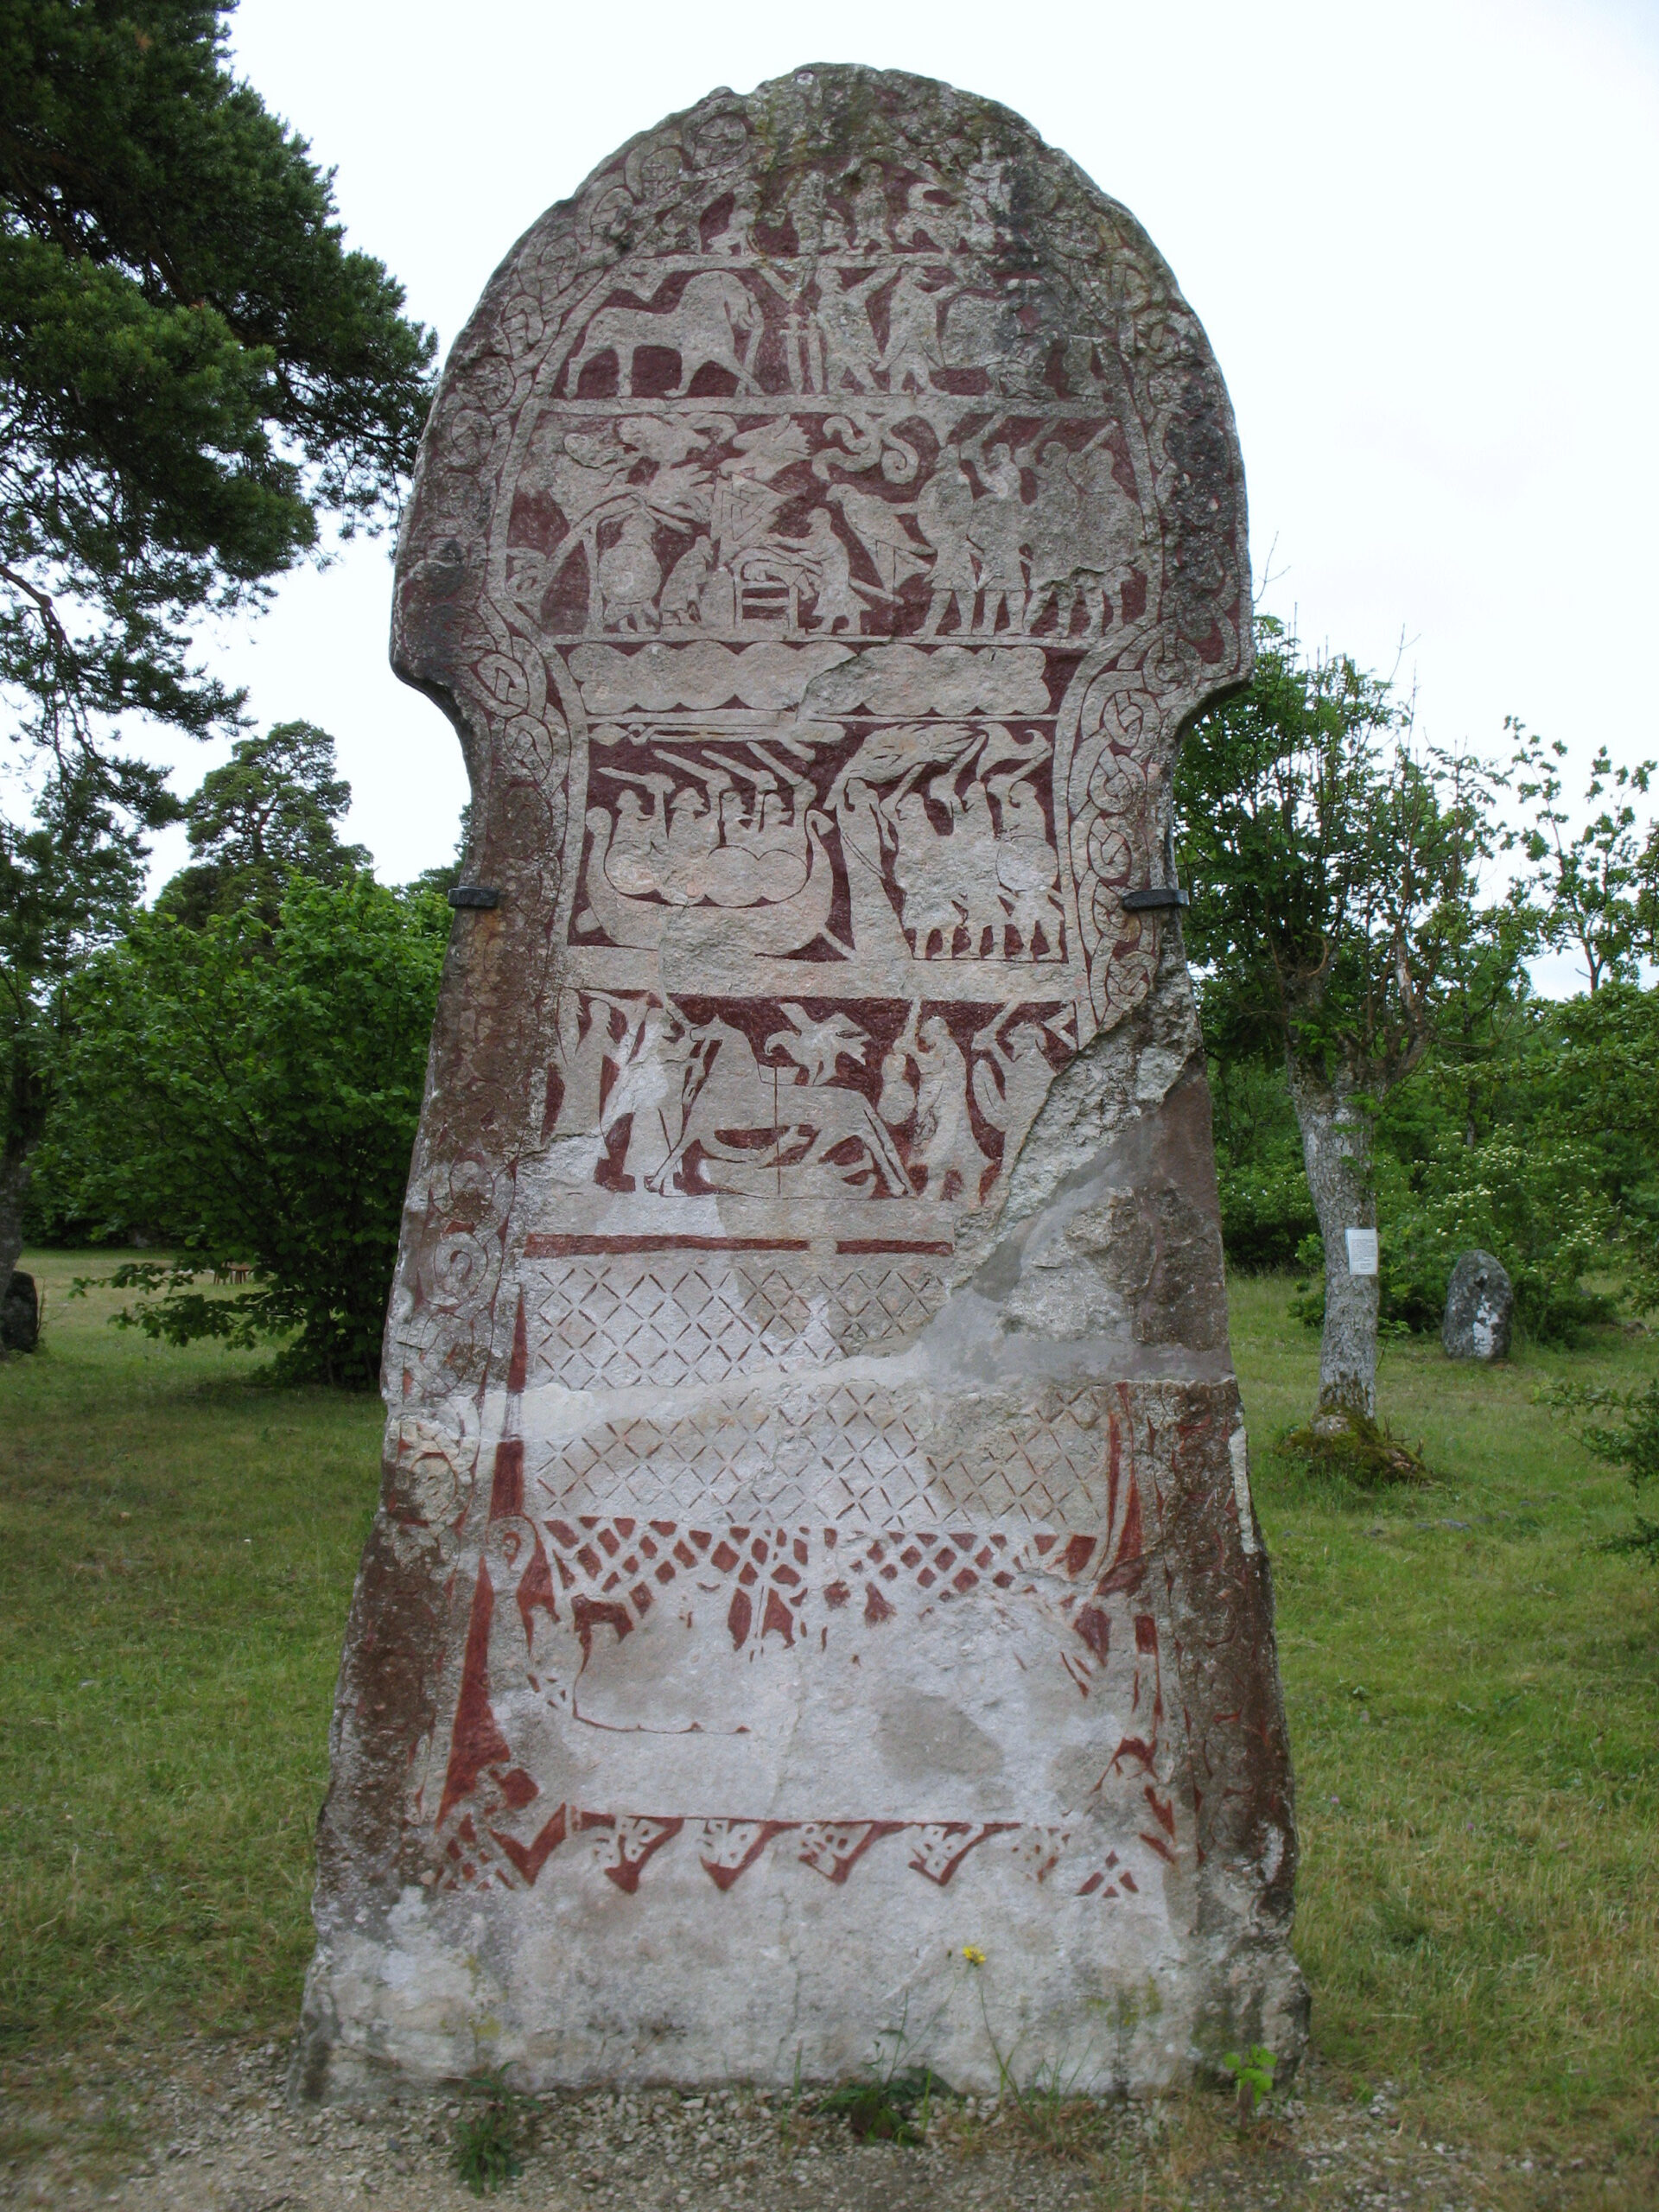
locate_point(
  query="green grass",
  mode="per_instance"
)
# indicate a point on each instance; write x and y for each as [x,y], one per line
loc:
[177,1545]
[1472,1713]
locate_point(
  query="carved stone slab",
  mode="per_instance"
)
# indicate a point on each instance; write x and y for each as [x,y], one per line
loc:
[816,1532]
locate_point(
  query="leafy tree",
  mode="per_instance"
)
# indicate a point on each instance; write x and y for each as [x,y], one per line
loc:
[1334,872]
[1267,1213]
[266,816]
[65,887]
[193,368]
[261,1109]
[1634,1446]
[1647,896]
[1599,1091]
[442,880]
[1589,882]
[1532,1199]
[192,365]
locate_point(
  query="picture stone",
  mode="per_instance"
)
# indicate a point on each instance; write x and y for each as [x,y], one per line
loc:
[815,1545]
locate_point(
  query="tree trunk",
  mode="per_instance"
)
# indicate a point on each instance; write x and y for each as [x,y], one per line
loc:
[15,1165]
[1337,1132]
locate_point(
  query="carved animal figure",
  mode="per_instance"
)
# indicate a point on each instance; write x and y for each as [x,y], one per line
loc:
[715,310]
[729,1099]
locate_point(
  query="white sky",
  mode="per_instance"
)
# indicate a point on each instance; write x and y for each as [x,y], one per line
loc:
[1422,238]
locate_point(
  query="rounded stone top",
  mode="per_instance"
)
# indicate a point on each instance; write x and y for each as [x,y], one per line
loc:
[856,357]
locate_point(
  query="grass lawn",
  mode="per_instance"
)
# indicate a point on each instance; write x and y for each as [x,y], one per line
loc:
[177,1545]
[1472,1686]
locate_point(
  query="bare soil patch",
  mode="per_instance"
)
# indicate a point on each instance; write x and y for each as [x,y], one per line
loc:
[208,2127]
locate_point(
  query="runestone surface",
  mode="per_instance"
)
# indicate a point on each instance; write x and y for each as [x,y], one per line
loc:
[816,1546]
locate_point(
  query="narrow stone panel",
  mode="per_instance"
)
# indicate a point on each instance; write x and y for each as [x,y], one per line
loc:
[816,1533]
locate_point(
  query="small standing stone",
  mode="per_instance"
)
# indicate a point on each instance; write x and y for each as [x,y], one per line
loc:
[20,1314]
[1480,1303]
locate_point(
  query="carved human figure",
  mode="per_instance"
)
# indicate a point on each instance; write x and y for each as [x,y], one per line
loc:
[630,577]
[1054,538]
[850,351]
[836,602]
[584,1040]
[896,1102]
[998,529]
[683,592]
[734,237]
[988,200]
[1111,531]
[869,198]
[649,1063]
[865,838]
[912,352]
[944,1137]
[693,832]
[974,864]
[637,841]
[1026,869]
[926,875]
[807,202]
[944,515]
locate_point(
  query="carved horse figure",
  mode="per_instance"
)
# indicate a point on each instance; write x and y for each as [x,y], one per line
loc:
[729,1098]
[703,328]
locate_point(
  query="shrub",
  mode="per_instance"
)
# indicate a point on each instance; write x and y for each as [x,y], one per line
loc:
[250,1094]
[1536,1205]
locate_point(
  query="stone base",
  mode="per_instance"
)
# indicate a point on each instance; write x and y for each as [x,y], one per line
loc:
[1056,1745]
[791,1978]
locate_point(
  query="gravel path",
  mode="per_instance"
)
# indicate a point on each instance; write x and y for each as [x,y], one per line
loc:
[210,2130]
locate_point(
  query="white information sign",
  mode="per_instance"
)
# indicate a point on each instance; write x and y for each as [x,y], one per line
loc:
[1362,1251]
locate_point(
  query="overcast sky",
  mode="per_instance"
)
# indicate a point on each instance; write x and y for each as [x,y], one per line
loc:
[1422,238]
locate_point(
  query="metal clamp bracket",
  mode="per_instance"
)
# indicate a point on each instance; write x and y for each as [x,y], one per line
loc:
[474,894]
[1156,894]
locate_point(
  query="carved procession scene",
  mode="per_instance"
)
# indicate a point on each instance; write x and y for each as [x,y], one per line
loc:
[817,1526]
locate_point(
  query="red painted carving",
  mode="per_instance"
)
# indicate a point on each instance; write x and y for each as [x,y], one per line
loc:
[632,1841]
[476,1741]
[531,1857]
[507,1480]
[729,1848]
[833,1848]
[942,1845]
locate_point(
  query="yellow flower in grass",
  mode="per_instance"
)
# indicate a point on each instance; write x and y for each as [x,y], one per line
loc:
[973,1955]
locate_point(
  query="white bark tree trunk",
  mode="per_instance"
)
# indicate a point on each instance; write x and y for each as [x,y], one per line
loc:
[1336,1134]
